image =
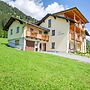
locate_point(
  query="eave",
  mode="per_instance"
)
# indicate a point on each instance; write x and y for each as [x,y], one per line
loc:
[42,20]
[12,19]
[72,9]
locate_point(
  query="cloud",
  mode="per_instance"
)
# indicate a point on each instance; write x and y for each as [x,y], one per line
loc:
[54,7]
[35,8]
[88,38]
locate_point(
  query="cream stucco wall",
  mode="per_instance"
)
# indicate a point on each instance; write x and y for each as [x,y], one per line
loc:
[61,38]
[83,46]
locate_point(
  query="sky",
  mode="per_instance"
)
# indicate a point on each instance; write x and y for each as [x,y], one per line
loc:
[39,8]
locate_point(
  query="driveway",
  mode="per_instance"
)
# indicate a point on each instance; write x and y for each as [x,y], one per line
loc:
[71,56]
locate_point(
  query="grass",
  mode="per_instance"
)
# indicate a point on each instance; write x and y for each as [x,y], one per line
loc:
[83,54]
[23,70]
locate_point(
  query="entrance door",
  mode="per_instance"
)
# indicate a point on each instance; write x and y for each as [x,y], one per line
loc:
[30,45]
[40,47]
[44,46]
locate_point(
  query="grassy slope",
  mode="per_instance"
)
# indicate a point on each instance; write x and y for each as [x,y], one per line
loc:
[21,70]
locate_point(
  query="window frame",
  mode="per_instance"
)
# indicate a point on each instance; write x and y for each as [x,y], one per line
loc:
[16,42]
[17,30]
[31,29]
[49,23]
[22,29]
[11,32]
[40,32]
[53,32]
[53,47]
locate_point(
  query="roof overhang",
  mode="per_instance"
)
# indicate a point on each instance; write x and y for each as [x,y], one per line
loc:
[55,16]
[87,33]
[12,19]
[74,9]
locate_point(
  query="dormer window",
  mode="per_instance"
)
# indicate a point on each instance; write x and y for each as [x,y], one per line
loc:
[49,23]
[17,30]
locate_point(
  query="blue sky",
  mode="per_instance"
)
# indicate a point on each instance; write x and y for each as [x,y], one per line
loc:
[82,5]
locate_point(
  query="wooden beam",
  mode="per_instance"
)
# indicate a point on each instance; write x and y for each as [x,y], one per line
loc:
[79,17]
[74,33]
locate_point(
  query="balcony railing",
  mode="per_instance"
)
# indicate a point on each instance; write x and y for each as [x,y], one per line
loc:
[76,37]
[43,37]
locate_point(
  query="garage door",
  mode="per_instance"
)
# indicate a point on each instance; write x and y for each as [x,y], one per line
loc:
[30,45]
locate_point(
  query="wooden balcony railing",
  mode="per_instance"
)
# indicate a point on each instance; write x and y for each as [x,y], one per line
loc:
[43,37]
[76,37]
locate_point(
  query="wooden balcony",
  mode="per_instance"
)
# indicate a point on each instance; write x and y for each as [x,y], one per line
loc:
[79,28]
[75,37]
[43,37]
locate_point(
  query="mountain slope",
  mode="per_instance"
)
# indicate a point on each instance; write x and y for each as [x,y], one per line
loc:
[6,12]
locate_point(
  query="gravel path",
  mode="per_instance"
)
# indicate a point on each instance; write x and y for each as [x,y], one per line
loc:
[71,56]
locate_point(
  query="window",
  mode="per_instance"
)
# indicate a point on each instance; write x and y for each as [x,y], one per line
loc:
[31,29]
[17,31]
[49,23]
[40,32]
[11,32]
[53,32]
[53,45]
[16,42]
[22,29]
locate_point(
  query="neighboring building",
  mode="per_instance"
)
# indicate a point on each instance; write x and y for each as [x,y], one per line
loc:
[26,36]
[63,31]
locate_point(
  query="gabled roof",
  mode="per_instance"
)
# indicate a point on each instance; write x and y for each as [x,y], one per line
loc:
[74,8]
[12,19]
[55,16]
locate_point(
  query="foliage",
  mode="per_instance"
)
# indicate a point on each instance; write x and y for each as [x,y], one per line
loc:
[45,32]
[88,46]
[24,70]
[6,12]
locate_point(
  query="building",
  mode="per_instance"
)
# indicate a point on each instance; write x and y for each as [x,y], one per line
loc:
[62,32]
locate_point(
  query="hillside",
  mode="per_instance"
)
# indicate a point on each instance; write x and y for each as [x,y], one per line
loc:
[24,70]
[6,12]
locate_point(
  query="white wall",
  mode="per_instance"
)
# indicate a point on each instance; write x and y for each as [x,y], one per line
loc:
[16,36]
[20,46]
[61,38]
[83,46]
[14,26]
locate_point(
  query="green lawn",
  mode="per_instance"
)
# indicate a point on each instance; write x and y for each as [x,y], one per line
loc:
[21,70]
